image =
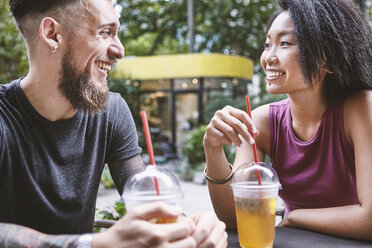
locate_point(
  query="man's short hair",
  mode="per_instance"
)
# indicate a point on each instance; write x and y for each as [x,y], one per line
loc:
[22,8]
[26,11]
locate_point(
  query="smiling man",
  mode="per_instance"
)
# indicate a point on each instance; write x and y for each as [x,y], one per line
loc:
[60,124]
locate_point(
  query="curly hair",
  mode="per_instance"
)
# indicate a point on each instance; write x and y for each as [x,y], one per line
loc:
[334,32]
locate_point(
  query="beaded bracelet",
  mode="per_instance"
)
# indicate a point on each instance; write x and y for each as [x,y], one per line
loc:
[219,181]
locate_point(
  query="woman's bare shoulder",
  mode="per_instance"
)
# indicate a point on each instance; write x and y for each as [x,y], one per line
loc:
[359,104]
[358,115]
[260,115]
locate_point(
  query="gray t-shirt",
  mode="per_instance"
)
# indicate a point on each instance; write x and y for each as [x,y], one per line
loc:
[50,171]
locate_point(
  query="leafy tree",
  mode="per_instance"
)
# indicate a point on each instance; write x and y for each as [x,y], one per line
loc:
[160,27]
[222,26]
[13,56]
[234,27]
[154,25]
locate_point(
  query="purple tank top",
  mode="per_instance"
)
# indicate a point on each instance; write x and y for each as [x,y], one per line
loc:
[319,173]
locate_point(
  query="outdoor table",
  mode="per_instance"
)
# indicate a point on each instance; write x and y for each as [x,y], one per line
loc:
[287,237]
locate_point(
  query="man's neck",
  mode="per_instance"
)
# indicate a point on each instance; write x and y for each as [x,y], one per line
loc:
[46,98]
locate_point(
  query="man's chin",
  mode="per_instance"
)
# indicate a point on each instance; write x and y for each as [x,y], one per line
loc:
[95,108]
[94,99]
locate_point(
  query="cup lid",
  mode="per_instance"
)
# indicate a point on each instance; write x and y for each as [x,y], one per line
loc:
[248,173]
[144,183]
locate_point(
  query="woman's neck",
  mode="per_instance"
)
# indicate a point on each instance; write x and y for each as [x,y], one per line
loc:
[307,111]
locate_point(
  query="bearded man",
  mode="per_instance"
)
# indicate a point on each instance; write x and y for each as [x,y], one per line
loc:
[60,125]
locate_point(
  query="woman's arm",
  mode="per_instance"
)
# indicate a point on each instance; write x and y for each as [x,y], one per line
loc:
[354,221]
[230,126]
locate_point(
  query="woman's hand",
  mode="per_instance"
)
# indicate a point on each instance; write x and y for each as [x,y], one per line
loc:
[228,126]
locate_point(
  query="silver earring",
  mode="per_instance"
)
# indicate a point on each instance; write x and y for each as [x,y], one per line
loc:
[54,49]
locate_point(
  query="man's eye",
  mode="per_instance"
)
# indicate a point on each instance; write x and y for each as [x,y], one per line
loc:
[106,32]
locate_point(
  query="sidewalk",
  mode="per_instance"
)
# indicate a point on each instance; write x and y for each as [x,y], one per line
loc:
[196,198]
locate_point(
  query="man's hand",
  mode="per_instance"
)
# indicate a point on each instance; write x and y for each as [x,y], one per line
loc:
[210,231]
[135,230]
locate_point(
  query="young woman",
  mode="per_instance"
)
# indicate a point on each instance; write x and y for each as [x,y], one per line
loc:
[319,139]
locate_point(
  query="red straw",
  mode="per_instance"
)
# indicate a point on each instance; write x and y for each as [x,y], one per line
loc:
[150,150]
[254,145]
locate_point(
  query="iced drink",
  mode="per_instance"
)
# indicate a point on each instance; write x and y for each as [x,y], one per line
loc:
[256,221]
[255,205]
[152,185]
[140,198]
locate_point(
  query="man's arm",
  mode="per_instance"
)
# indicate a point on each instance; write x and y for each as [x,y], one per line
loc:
[121,170]
[133,230]
[12,235]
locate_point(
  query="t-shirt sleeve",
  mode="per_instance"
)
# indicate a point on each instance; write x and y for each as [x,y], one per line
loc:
[124,140]
[1,143]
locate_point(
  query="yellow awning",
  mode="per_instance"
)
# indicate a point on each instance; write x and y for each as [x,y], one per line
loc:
[183,66]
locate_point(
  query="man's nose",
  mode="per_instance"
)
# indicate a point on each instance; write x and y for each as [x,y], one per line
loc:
[117,49]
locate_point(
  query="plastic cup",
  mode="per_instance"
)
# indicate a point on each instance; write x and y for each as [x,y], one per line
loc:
[255,205]
[141,189]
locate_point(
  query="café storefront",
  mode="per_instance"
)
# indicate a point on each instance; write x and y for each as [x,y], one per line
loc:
[175,89]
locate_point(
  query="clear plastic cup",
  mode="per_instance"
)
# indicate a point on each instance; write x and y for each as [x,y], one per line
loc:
[255,205]
[141,188]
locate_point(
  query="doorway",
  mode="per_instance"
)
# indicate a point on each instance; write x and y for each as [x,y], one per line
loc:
[186,116]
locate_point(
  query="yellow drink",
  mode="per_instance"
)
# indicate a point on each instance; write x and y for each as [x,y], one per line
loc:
[256,221]
[165,221]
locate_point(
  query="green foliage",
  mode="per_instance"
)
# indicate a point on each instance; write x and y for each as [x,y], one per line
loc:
[155,24]
[160,27]
[13,55]
[116,212]
[225,26]
[155,145]
[106,179]
[235,27]
[369,11]
[130,93]
[217,103]
[194,150]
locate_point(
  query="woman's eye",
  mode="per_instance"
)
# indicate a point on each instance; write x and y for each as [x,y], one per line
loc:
[285,43]
[266,45]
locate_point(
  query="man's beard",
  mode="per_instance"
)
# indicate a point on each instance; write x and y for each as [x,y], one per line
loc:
[79,89]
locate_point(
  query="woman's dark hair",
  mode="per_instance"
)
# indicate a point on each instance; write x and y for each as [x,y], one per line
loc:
[334,32]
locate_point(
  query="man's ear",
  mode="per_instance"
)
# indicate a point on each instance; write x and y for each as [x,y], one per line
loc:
[49,32]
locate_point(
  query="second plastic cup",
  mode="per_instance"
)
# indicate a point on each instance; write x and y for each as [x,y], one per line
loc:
[141,188]
[255,205]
